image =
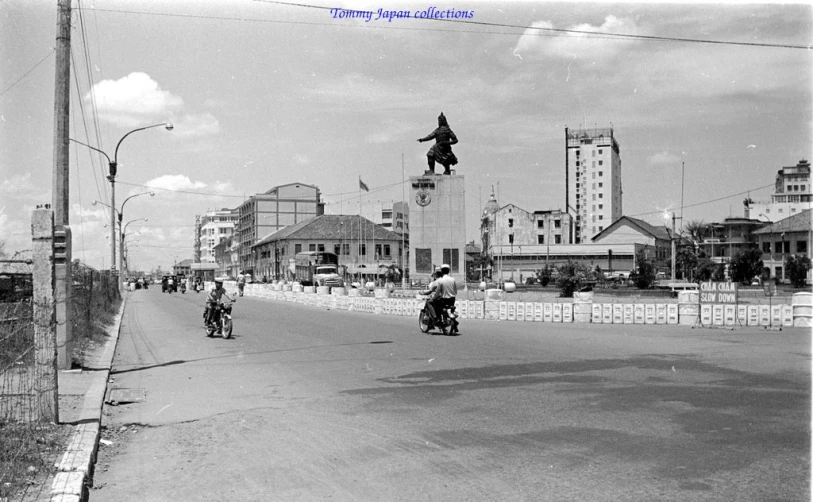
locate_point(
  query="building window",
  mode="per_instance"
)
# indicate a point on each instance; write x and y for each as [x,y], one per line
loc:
[540,224]
[766,247]
[600,184]
[452,258]
[601,206]
[386,215]
[387,250]
[600,151]
[297,248]
[600,229]
[321,248]
[311,247]
[557,239]
[577,163]
[346,249]
[601,162]
[601,216]
[337,249]
[378,250]
[510,222]
[362,249]
[557,223]
[423,260]
[801,246]
[540,239]
[601,173]
[601,196]
[510,238]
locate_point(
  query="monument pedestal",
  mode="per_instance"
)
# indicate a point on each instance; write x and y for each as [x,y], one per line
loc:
[437,226]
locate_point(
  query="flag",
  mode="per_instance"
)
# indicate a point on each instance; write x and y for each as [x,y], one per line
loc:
[363,186]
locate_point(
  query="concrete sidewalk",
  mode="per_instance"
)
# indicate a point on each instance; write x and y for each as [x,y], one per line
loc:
[86,388]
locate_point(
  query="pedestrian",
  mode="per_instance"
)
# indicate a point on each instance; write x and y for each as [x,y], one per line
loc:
[241,283]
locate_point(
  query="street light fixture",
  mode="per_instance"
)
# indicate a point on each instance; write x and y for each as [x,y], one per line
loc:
[121,240]
[111,177]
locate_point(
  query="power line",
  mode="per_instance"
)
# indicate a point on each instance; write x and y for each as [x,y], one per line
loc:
[551,32]
[53,50]
[709,201]
[562,30]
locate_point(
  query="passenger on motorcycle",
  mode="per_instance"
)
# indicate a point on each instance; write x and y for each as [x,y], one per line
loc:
[213,298]
[443,291]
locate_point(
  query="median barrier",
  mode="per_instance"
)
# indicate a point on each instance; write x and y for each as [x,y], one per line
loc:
[597,313]
[529,311]
[802,307]
[660,313]
[511,311]
[649,313]
[557,312]
[547,312]
[638,313]
[730,315]
[567,312]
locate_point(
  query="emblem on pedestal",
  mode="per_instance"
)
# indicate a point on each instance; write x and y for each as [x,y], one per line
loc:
[423,197]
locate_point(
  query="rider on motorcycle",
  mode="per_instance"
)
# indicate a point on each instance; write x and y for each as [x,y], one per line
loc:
[213,298]
[443,291]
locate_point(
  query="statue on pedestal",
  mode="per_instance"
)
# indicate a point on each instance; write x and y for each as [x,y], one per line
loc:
[441,151]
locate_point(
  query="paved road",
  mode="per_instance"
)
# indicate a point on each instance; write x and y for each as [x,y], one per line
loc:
[308,404]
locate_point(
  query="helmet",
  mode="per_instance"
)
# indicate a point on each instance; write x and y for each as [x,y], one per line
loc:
[445,268]
[219,279]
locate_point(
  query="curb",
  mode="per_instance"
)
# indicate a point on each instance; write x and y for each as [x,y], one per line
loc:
[75,470]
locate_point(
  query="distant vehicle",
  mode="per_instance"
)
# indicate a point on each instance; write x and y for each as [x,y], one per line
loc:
[677,287]
[318,268]
[617,276]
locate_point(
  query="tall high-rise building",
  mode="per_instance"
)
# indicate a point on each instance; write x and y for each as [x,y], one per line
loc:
[214,227]
[592,181]
[792,195]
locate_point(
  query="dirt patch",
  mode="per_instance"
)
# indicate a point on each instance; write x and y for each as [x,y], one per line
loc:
[34,450]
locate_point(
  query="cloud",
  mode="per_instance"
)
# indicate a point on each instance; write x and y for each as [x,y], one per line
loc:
[21,187]
[664,159]
[174,182]
[588,44]
[204,124]
[133,100]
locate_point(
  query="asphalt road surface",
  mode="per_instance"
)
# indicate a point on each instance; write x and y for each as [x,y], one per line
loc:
[306,403]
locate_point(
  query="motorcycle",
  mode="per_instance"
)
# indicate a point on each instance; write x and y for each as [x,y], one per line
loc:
[446,322]
[183,287]
[221,320]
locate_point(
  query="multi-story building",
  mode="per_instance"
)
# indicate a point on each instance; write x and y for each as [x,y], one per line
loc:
[265,213]
[215,227]
[792,195]
[780,240]
[519,242]
[394,216]
[592,181]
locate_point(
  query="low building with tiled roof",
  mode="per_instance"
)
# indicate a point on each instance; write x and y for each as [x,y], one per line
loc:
[360,244]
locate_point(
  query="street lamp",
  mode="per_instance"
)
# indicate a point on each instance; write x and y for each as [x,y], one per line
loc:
[111,177]
[122,234]
[770,243]
[673,238]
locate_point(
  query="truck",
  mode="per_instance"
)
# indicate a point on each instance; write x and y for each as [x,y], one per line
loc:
[318,268]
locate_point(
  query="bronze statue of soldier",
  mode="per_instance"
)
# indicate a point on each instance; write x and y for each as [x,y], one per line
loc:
[441,151]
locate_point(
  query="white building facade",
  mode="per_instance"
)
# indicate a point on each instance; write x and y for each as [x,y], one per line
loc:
[215,226]
[593,193]
[792,195]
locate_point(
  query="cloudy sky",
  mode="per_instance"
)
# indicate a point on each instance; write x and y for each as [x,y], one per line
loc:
[262,94]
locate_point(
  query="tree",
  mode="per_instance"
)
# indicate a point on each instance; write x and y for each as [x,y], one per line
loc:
[645,272]
[572,277]
[695,229]
[544,275]
[746,265]
[707,270]
[797,267]
[686,261]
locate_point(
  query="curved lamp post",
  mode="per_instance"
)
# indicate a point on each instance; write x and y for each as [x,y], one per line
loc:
[111,177]
[121,239]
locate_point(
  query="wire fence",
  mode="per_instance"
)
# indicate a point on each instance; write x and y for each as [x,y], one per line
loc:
[27,445]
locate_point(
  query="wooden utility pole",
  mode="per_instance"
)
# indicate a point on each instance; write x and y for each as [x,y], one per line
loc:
[62,93]
[61,184]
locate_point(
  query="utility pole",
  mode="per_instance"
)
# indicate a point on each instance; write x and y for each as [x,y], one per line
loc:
[63,280]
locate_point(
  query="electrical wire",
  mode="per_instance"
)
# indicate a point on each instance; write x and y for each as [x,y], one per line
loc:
[53,50]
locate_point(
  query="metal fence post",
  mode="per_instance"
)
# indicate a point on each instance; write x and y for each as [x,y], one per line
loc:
[43,278]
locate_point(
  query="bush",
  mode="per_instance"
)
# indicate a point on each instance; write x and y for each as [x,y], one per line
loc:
[645,273]
[746,265]
[544,275]
[797,267]
[572,277]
